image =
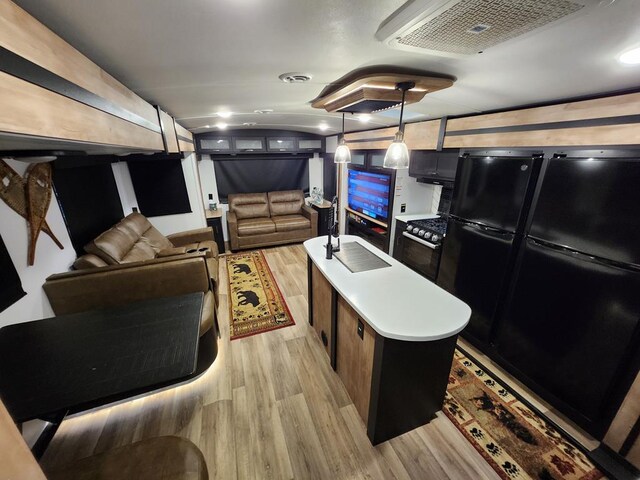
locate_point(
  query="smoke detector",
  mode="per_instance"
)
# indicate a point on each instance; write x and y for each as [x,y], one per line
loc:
[295,77]
[249,124]
[264,110]
[458,28]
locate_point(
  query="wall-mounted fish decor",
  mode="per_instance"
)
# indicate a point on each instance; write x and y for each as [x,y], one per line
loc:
[13,191]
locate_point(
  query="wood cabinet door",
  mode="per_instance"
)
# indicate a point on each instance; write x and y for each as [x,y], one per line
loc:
[322,292]
[354,363]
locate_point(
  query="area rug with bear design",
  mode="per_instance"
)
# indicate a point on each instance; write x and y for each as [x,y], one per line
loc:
[256,303]
[513,438]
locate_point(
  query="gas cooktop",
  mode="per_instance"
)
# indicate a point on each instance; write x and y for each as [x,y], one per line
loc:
[432,229]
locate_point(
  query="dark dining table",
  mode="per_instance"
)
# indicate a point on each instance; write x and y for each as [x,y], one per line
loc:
[70,363]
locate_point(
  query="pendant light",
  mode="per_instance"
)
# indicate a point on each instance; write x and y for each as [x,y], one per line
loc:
[397,155]
[343,154]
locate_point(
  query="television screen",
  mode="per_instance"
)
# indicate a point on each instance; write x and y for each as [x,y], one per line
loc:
[369,194]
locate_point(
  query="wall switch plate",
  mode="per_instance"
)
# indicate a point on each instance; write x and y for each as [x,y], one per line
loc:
[403,207]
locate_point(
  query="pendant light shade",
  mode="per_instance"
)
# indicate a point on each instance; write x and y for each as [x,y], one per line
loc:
[343,154]
[397,155]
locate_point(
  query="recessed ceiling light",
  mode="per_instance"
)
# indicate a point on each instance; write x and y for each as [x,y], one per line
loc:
[264,110]
[323,126]
[224,114]
[364,118]
[630,57]
[295,77]
[221,125]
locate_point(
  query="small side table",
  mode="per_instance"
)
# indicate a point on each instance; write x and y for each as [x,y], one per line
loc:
[323,209]
[214,220]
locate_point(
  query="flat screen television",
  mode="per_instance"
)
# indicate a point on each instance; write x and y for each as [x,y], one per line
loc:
[369,194]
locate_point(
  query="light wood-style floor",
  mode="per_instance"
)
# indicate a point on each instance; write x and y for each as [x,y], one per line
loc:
[271,407]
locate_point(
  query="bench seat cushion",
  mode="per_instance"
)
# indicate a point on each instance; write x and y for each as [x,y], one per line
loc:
[287,223]
[255,226]
[159,458]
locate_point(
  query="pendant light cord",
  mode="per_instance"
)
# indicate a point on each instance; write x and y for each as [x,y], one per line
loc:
[343,126]
[401,127]
[403,86]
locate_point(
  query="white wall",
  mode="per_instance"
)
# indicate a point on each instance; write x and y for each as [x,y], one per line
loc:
[209,185]
[167,224]
[49,258]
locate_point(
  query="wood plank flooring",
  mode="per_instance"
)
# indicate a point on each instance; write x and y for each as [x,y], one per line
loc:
[271,407]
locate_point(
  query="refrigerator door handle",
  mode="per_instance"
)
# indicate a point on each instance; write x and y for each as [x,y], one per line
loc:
[584,256]
[481,226]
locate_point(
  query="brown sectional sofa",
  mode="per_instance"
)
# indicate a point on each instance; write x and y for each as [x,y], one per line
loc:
[133,261]
[273,218]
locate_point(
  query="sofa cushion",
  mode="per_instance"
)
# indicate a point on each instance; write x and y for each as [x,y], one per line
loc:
[286,223]
[255,226]
[249,205]
[139,253]
[112,245]
[155,239]
[288,202]
[88,261]
[136,222]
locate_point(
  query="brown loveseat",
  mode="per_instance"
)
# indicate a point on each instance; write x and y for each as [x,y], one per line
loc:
[133,261]
[265,219]
[134,239]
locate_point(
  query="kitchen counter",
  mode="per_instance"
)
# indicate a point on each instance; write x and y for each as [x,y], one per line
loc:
[408,217]
[389,334]
[395,301]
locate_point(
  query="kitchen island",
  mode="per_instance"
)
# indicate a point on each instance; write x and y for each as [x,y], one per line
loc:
[389,334]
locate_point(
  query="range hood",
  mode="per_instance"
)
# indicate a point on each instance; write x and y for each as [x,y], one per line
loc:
[459,28]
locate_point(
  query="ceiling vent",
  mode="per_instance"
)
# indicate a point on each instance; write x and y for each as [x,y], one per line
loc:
[457,28]
[295,77]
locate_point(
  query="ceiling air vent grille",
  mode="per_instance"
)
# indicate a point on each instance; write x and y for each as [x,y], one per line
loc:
[466,27]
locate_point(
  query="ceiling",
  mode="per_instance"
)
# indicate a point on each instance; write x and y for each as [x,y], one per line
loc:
[197,57]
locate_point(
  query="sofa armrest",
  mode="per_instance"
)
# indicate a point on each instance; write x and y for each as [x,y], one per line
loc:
[169,252]
[312,215]
[191,236]
[96,288]
[232,228]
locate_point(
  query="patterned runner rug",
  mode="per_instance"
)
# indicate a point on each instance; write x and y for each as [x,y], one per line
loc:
[516,441]
[256,304]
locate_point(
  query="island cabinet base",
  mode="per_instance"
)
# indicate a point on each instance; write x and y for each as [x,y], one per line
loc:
[395,385]
[409,382]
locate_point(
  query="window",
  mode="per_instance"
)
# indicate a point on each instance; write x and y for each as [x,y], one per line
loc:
[260,175]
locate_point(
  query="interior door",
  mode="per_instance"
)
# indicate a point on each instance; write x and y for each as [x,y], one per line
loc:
[492,190]
[569,326]
[474,264]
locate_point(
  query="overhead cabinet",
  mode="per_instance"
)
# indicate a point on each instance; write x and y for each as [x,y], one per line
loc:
[250,144]
[53,97]
[434,167]
[215,145]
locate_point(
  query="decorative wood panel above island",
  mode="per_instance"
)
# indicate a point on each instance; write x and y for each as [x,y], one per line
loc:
[389,334]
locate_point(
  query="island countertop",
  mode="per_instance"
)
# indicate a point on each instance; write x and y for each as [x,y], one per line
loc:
[395,301]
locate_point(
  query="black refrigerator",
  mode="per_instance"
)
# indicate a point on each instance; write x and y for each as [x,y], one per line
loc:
[570,327]
[488,211]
